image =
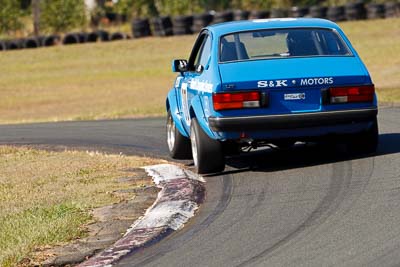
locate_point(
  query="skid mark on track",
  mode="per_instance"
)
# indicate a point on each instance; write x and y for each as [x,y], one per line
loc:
[339,184]
[343,186]
[249,210]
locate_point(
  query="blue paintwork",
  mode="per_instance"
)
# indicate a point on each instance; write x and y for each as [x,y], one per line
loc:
[172,105]
[187,101]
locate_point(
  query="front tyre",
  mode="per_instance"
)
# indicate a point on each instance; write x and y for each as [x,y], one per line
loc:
[178,145]
[207,152]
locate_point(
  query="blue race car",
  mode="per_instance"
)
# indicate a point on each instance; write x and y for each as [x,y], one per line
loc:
[254,83]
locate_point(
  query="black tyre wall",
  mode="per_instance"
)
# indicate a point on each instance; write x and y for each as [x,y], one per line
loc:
[182,25]
[220,17]
[375,11]
[117,36]
[104,36]
[278,13]
[14,44]
[201,20]
[140,28]
[92,37]
[392,10]
[50,40]
[318,12]
[3,45]
[259,14]
[30,42]
[162,26]
[83,37]
[336,13]
[298,12]
[241,15]
[71,38]
[355,11]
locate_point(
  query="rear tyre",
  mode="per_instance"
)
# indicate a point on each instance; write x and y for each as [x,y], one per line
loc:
[366,142]
[178,145]
[207,152]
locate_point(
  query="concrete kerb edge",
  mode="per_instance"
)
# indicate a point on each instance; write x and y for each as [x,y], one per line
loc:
[181,194]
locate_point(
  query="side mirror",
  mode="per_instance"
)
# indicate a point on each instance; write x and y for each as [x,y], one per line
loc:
[179,65]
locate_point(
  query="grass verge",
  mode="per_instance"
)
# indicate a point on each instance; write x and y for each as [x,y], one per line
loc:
[46,197]
[132,78]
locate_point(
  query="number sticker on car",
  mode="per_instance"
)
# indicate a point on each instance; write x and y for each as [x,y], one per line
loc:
[296,96]
[185,106]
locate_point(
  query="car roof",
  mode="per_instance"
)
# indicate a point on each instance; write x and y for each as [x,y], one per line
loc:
[260,24]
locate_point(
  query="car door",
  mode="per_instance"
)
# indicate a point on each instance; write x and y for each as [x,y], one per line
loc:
[194,81]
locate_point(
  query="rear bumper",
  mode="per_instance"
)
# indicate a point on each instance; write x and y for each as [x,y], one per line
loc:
[291,121]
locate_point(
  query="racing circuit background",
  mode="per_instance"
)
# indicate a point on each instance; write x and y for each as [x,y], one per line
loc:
[82,95]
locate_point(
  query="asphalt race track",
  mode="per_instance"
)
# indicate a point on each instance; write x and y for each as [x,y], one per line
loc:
[307,206]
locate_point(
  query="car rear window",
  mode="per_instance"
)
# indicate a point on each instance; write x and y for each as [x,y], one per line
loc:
[281,43]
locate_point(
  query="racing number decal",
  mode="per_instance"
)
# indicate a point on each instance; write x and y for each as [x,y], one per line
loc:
[185,106]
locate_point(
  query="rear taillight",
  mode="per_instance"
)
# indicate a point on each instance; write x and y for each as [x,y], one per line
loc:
[236,100]
[351,94]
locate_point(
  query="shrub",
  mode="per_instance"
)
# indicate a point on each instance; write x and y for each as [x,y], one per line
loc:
[10,16]
[62,15]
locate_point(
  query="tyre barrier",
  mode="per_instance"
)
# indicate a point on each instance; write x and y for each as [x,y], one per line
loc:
[92,37]
[182,25]
[3,45]
[336,13]
[355,11]
[259,14]
[220,17]
[83,37]
[118,36]
[71,38]
[392,10]
[278,13]
[201,20]
[14,44]
[241,15]
[140,28]
[298,12]
[375,11]
[50,40]
[103,36]
[318,12]
[31,42]
[162,26]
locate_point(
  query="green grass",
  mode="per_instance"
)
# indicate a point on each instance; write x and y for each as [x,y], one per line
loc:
[46,197]
[20,233]
[132,78]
